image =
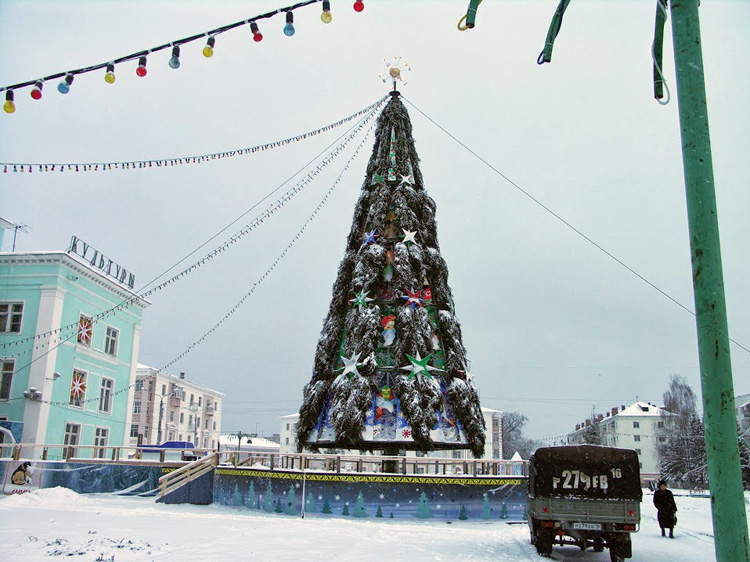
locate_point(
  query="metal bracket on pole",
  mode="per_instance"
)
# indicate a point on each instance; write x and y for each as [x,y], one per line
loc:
[554,29]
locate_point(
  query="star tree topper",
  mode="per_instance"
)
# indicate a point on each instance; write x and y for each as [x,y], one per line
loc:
[419,366]
[370,237]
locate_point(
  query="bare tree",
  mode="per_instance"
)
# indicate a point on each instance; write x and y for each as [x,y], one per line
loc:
[514,439]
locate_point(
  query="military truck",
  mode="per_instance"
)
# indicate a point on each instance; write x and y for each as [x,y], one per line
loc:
[584,495]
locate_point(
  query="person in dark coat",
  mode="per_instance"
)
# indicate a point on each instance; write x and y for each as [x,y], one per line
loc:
[664,502]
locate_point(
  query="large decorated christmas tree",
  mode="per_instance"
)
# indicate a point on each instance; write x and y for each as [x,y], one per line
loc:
[390,368]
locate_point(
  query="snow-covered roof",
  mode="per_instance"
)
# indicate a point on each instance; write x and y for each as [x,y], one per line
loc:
[642,409]
[230,440]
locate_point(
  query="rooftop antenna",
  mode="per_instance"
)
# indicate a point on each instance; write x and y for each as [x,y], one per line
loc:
[16,226]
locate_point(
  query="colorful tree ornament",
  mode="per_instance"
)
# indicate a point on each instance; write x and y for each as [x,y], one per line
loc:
[406,179]
[361,299]
[109,76]
[389,330]
[370,237]
[419,366]
[36,91]
[208,50]
[413,298]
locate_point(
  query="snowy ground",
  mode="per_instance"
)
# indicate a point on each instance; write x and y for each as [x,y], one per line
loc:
[57,522]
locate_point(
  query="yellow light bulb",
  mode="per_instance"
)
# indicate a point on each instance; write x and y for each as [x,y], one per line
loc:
[9,107]
[109,77]
[326,17]
[208,52]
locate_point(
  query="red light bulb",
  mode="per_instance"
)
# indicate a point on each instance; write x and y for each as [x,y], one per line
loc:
[36,93]
[141,70]
[359,6]
[257,35]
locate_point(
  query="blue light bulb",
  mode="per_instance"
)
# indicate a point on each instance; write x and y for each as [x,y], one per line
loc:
[174,62]
[64,86]
[289,27]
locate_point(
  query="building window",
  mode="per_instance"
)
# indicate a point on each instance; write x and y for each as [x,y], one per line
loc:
[110,341]
[199,400]
[287,427]
[640,465]
[205,442]
[636,424]
[100,441]
[72,435]
[11,314]
[637,437]
[139,385]
[456,454]
[136,407]
[205,425]
[214,426]
[171,415]
[182,420]
[287,440]
[145,432]
[637,451]
[180,439]
[85,329]
[190,420]
[78,389]
[134,430]
[171,435]
[660,424]
[105,395]
[7,379]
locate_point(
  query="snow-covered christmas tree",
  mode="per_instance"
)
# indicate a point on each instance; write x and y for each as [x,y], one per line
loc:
[390,367]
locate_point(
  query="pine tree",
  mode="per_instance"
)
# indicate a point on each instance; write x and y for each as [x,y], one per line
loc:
[291,502]
[310,503]
[462,514]
[423,507]
[379,512]
[360,509]
[486,511]
[236,497]
[269,499]
[392,276]
[345,510]
[326,507]
[504,511]
[277,507]
[251,499]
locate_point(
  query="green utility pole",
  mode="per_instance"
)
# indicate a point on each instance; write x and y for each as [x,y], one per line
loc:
[727,500]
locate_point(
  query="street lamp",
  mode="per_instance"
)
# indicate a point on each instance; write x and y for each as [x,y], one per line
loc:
[161,398]
[33,394]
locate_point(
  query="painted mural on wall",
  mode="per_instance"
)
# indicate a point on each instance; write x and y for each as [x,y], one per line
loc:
[22,477]
[82,478]
[374,496]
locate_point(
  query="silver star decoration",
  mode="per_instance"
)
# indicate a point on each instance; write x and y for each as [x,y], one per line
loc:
[351,366]
[409,236]
[406,179]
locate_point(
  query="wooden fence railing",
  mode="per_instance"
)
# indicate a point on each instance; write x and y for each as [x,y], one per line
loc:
[178,478]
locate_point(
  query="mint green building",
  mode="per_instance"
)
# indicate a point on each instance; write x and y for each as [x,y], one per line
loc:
[68,361]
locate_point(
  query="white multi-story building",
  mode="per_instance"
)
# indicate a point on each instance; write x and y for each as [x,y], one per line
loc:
[742,408]
[171,408]
[493,446]
[634,427]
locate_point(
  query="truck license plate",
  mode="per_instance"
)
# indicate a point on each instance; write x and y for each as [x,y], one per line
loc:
[588,526]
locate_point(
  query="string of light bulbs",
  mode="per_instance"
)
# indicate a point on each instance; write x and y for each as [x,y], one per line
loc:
[64,86]
[271,268]
[72,329]
[281,256]
[164,162]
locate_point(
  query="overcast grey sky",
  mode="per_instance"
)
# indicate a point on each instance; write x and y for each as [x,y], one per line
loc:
[552,325]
